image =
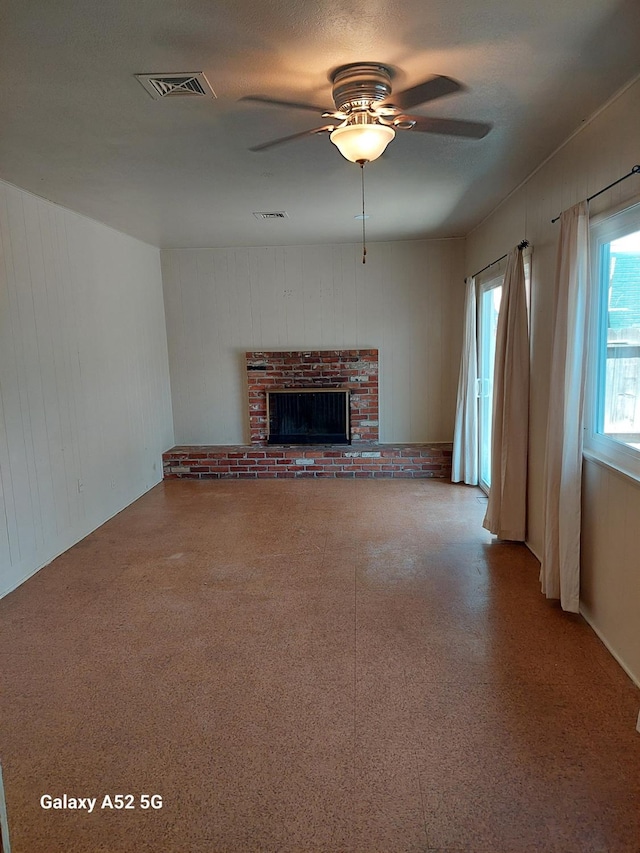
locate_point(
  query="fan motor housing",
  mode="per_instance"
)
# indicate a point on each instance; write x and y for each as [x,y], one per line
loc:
[359,85]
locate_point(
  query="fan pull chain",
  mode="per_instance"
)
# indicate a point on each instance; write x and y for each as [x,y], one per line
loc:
[364,244]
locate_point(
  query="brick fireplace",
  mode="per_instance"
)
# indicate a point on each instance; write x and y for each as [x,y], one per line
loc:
[353,370]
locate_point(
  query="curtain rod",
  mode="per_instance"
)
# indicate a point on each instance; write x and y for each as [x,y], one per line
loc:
[522,245]
[634,171]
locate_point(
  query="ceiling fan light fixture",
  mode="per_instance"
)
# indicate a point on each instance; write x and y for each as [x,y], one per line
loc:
[362,142]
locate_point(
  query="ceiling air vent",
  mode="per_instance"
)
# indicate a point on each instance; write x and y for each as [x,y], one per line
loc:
[275,214]
[189,85]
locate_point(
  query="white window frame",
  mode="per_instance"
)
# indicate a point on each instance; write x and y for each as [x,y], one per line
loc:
[615,454]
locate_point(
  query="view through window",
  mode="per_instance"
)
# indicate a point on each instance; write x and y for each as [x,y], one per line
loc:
[489,308]
[619,415]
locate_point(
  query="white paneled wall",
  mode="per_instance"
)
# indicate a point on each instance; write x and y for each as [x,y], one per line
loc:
[406,301]
[85,408]
[605,149]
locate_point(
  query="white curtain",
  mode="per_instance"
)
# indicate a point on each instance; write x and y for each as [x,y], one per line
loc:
[464,467]
[560,572]
[506,515]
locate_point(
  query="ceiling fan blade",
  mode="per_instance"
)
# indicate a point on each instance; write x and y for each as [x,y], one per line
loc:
[296,105]
[434,87]
[264,145]
[448,126]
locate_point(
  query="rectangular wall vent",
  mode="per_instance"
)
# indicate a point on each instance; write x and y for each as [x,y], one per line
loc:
[185,84]
[274,214]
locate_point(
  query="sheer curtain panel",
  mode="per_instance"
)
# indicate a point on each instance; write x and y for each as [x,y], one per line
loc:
[464,466]
[506,515]
[560,572]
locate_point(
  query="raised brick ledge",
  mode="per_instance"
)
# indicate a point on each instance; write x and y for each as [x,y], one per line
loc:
[274,461]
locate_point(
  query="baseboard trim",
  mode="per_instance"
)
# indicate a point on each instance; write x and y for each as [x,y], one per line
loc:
[75,537]
[533,551]
[589,620]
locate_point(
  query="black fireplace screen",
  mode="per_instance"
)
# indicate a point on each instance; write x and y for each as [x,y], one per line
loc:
[308,416]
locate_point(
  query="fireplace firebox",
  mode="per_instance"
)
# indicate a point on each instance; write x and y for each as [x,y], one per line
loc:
[308,416]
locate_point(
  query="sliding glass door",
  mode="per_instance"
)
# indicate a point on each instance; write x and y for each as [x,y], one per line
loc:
[490,294]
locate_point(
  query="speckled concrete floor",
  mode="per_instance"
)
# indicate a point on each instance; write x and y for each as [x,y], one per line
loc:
[305,666]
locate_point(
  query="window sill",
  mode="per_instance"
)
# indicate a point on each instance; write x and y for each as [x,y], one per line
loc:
[611,466]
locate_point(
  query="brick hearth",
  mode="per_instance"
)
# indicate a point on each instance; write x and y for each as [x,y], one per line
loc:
[243,462]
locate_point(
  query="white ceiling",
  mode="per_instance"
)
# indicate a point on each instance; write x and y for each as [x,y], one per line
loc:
[77,127]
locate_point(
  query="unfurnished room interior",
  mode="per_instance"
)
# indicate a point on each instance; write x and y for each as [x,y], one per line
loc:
[320,427]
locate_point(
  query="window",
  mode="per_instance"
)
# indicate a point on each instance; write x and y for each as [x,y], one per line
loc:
[613,404]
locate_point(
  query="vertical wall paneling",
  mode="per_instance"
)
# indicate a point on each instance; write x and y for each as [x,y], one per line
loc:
[223,302]
[85,405]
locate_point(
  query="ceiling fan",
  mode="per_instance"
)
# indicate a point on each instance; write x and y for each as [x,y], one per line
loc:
[366,116]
